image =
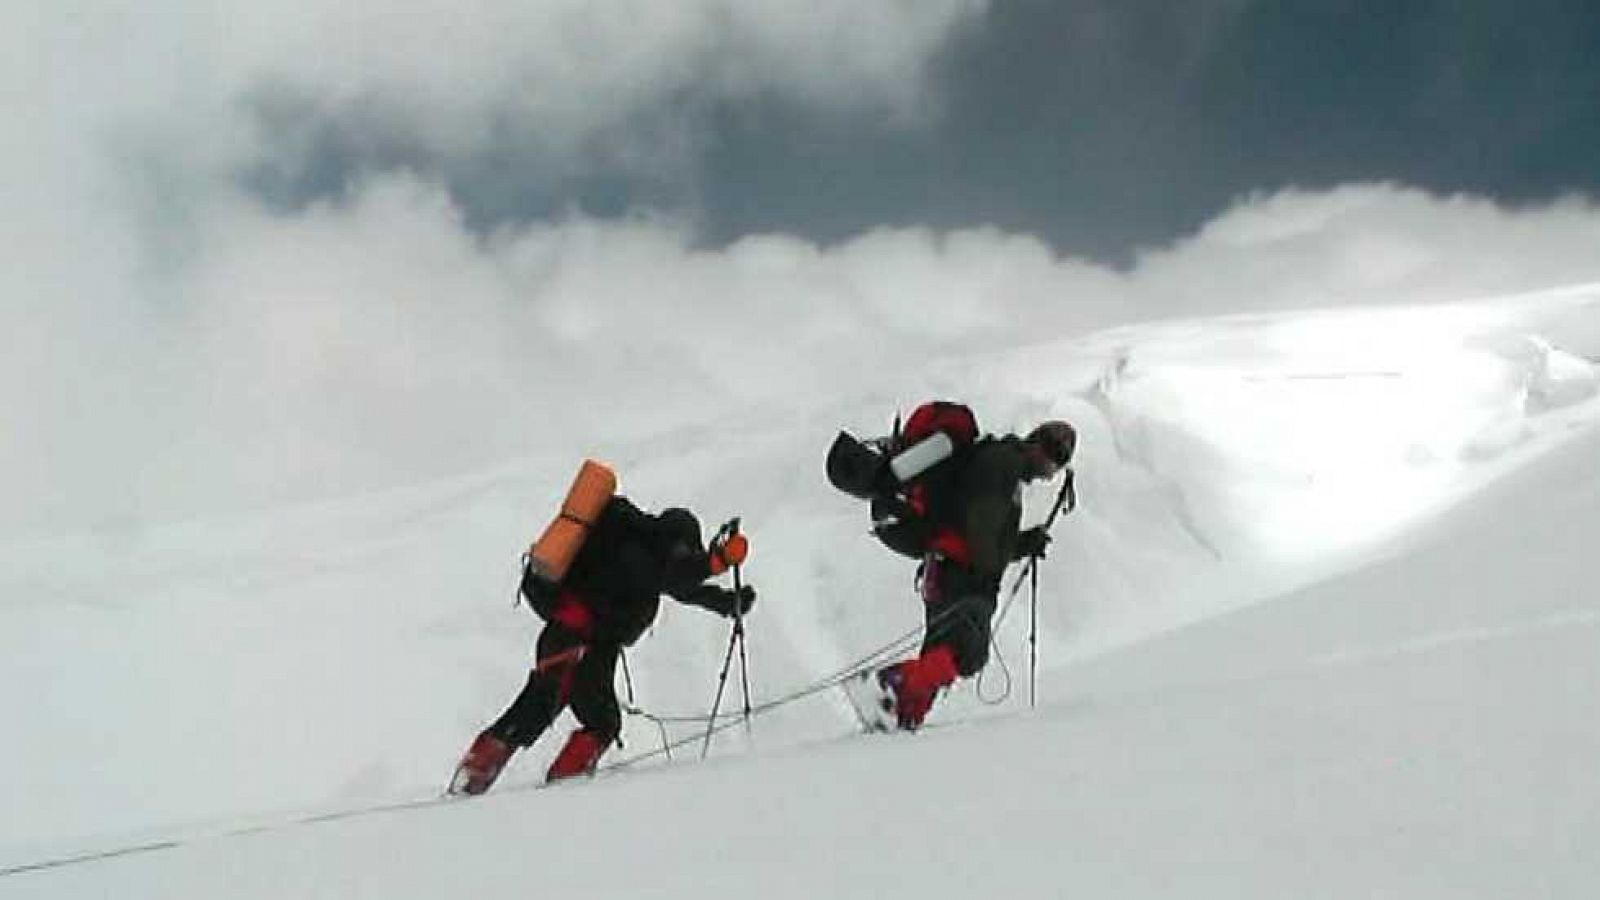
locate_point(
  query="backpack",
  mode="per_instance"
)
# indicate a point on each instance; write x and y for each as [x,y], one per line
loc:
[954,419]
[564,537]
[886,466]
[614,574]
[935,432]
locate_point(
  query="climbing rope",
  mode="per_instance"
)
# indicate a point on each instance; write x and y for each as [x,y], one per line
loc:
[725,720]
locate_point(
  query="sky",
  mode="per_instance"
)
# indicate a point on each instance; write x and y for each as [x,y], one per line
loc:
[257,253]
[1100,126]
[1105,127]
[1319,627]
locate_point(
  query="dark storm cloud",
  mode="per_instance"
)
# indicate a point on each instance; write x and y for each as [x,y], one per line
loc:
[312,153]
[537,109]
[1104,125]
[1111,124]
[1101,125]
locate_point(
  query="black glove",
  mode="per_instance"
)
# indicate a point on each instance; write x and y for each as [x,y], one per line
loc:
[721,600]
[745,597]
[1032,543]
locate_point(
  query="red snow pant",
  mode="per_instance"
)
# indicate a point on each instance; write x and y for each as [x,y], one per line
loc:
[957,608]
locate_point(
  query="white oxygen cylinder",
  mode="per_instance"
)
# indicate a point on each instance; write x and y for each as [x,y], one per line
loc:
[922,456]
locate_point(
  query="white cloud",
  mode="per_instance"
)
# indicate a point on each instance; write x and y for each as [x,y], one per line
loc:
[149,310]
[453,79]
[1373,243]
[378,340]
[172,346]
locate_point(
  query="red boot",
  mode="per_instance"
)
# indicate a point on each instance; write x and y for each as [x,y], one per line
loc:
[578,757]
[916,682]
[481,765]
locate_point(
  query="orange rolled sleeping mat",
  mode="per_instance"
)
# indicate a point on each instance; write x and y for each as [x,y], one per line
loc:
[552,554]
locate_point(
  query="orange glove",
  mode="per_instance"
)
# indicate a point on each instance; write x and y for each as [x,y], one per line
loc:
[729,553]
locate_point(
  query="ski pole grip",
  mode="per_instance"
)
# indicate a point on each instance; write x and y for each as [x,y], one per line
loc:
[729,548]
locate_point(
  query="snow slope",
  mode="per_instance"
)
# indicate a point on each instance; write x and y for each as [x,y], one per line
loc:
[1322,625]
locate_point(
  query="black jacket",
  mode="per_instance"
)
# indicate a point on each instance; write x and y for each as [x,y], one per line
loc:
[974,498]
[991,503]
[630,559]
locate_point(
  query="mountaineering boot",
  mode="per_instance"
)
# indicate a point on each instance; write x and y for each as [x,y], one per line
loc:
[872,703]
[481,765]
[911,686]
[907,705]
[578,757]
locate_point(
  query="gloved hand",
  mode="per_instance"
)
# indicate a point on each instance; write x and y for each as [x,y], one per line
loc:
[719,600]
[1032,543]
[745,597]
[730,552]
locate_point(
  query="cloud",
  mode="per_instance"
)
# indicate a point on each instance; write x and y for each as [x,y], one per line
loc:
[129,122]
[1372,243]
[378,340]
[306,96]
[152,306]
[178,344]
[572,66]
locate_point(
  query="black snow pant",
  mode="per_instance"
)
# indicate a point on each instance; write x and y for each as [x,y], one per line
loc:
[958,605]
[569,671]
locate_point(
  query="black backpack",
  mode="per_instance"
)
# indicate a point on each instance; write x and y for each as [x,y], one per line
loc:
[599,570]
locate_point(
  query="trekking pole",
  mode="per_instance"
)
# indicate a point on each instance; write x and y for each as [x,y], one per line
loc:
[738,627]
[1033,634]
[735,637]
[627,676]
[1068,496]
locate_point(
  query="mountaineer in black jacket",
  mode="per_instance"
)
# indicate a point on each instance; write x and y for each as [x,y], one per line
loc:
[962,521]
[610,595]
